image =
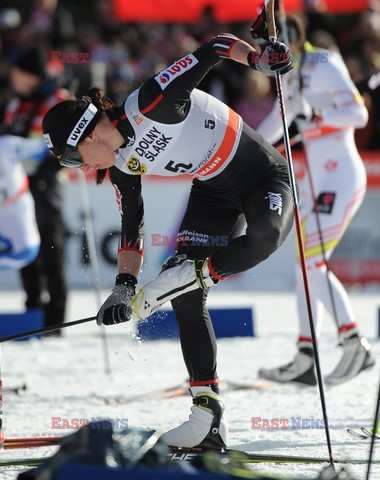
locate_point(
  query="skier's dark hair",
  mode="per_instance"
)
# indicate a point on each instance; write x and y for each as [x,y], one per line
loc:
[99,99]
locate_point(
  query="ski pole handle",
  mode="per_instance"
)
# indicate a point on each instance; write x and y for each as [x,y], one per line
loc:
[57,326]
[269,14]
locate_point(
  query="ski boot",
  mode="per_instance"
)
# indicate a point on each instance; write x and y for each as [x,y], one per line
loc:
[206,427]
[357,356]
[300,370]
[178,275]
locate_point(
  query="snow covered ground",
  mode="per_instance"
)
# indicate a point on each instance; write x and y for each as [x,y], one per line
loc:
[66,379]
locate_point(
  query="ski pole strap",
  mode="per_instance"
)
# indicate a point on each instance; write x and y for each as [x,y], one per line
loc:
[126,279]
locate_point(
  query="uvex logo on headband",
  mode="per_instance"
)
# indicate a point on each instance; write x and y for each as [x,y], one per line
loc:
[48,140]
[78,130]
[81,125]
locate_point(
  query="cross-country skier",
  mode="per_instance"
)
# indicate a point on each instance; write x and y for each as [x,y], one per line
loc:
[169,127]
[19,237]
[326,106]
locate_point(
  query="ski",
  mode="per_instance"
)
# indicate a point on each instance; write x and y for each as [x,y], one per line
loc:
[367,432]
[357,434]
[170,392]
[189,454]
[32,439]
[363,435]
[23,462]
[17,446]
[229,385]
[15,390]
[31,442]
[182,390]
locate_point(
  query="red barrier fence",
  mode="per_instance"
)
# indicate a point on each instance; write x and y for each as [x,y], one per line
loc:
[223,10]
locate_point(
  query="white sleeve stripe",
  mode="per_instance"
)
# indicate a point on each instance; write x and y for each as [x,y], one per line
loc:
[230,37]
[221,45]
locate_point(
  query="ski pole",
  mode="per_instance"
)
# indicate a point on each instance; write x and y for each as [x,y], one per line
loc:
[90,237]
[269,13]
[371,449]
[293,141]
[51,328]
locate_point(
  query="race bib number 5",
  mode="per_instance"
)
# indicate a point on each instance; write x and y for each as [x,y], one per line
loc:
[178,68]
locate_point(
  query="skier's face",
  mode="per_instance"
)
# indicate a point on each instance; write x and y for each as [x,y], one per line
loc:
[95,153]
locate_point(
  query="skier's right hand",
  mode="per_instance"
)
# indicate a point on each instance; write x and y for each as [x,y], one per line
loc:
[117,308]
[274,58]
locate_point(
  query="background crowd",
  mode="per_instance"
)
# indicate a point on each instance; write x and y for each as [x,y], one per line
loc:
[140,50]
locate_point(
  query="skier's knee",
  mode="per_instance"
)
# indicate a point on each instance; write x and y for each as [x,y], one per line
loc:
[264,242]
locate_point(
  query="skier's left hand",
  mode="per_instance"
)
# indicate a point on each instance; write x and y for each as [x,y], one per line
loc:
[117,308]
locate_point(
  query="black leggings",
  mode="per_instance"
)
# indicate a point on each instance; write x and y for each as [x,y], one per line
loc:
[47,271]
[212,225]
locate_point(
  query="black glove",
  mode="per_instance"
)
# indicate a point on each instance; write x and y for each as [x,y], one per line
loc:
[117,308]
[274,58]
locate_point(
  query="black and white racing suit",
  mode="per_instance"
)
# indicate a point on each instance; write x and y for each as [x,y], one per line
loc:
[171,128]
